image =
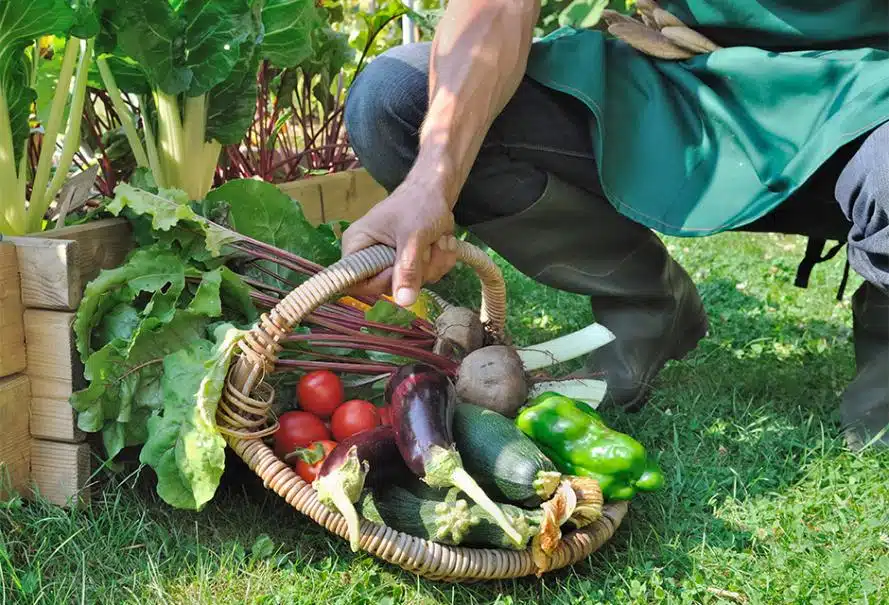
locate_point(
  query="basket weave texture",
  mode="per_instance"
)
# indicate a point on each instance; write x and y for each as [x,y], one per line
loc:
[244,418]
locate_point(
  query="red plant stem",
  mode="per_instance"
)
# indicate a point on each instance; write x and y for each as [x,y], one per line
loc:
[285,365]
[272,255]
[373,343]
[273,275]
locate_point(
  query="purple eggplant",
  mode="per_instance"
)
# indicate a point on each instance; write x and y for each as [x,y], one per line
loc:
[369,458]
[422,401]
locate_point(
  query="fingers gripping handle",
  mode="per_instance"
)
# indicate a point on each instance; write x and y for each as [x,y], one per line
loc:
[261,346]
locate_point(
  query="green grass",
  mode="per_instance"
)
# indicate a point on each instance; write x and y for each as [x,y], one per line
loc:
[763,504]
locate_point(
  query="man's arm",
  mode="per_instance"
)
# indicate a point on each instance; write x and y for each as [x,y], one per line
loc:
[478,58]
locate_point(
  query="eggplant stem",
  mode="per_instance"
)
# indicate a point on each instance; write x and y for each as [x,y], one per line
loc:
[341,489]
[347,509]
[463,480]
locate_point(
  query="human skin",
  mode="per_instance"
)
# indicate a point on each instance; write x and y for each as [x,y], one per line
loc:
[478,58]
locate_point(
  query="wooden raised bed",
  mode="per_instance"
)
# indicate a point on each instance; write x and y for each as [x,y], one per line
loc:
[42,278]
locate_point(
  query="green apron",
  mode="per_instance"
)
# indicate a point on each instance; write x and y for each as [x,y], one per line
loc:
[697,147]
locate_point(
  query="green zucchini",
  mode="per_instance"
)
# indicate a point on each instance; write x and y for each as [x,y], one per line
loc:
[444,518]
[438,515]
[503,460]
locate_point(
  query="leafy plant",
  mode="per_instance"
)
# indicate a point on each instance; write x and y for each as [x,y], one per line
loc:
[193,65]
[298,128]
[36,35]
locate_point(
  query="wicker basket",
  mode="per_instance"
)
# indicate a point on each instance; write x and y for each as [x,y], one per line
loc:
[243,417]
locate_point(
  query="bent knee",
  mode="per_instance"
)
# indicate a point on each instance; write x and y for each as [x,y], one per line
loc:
[388,96]
[863,186]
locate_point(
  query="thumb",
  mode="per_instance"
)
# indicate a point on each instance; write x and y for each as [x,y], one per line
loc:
[407,275]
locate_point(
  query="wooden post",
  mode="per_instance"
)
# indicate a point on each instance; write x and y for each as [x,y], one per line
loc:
[15,441]
[12,334]
[52,269]
[346,195]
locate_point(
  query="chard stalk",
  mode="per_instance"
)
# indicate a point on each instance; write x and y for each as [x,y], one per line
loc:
[13,205]
[204,154]
[123,112]
[153,159]
[170,145]
[37,207]
[75,118]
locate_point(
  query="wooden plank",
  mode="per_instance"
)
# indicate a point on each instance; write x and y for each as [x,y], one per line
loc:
[100,245]
[308,193]
[54,366]
[15,442]
[50,277]
[56,265]
[60,472]
[54,419]
[350,196]
[12,331]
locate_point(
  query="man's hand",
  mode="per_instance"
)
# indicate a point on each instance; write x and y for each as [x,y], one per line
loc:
[478,58]
[419,224]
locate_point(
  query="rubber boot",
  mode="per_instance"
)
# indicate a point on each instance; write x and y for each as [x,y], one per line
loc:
[574,241]
[864,410]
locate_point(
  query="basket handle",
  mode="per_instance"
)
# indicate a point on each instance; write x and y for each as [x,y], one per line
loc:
[261,345]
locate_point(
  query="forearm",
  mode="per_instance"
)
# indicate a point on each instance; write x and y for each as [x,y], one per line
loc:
[479,54]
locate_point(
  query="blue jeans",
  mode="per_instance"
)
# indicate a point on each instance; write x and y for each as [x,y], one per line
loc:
[542,131]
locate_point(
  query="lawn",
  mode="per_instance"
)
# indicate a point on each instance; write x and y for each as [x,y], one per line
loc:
[763,502]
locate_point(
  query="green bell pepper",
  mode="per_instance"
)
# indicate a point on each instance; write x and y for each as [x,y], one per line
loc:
[579,443]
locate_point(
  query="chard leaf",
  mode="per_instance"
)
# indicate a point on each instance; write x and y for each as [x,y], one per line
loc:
[231,105]
[214,32]
[86,21]
[167,209]
[262,211]
[146,270]
[124,379]
[21,23]
[149,32]
[184,447]
[182,46]
[118,323]
[386,312]
[288,26]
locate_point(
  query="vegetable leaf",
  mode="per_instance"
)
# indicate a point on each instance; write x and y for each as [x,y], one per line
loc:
[288,26]
[124,380]
[21,23]
[184,446]
[262,211]
[169,208]
[147,269]
[231,105]
[385,312]
[214,33]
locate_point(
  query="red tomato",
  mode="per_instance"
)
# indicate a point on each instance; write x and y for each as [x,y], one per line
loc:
[385,416]
[298,430]
[353,417]
[320,392]
[309,461]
